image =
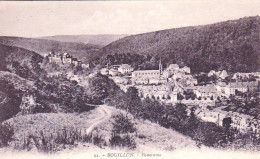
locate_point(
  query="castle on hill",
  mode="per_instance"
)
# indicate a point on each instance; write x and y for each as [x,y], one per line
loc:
[65,58]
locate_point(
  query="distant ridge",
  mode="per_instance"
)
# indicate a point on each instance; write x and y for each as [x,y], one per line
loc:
[102,39]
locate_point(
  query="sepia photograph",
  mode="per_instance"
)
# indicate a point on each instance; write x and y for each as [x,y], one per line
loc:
[129,79]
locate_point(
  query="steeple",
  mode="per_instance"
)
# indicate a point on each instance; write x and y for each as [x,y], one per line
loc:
[160,66]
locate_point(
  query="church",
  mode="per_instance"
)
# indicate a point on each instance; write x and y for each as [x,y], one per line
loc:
[150,76]
[158,76]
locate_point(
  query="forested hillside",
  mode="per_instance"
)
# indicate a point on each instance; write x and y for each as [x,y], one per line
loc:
[231,45]
[20,61]
[25,86]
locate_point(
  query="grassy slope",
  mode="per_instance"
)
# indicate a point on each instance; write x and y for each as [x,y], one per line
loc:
[232,45]
[155,136]
[151,136]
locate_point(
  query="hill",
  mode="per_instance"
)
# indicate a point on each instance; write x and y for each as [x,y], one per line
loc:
[89,39]
[25,84]
[231,45]
[22,62]
[79,50]
[17,66]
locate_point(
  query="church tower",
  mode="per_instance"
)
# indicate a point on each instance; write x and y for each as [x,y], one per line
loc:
[160,66]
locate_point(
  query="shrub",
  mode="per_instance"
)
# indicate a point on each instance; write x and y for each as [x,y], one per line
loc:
[123,124]
[125,141]
[6,134]
[99,141]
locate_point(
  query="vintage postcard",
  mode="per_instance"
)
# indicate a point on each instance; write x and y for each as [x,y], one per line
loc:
[130,79]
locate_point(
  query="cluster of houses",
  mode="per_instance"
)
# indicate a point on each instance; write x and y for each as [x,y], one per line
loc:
[167,85]
[65,59]
[241,122]
[240,75]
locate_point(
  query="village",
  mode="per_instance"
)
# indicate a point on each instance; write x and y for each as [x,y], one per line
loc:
[176,84]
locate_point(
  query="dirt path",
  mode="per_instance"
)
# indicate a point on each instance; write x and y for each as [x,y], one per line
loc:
[105,114]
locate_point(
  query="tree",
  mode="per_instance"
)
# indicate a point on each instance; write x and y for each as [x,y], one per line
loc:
[100,87]
[132,93]
[181,111]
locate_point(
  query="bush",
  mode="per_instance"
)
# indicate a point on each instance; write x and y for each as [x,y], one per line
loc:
[122,124]
[125,141]
[99,141]
[6,134]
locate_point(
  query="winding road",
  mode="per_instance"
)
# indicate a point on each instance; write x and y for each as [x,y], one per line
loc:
[105,114]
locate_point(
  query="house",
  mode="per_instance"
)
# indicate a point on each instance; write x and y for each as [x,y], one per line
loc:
[220,74]
[221,88]
[174,68]
[208,91]
[185,69]
[125,69]
[223,74]
[232,87]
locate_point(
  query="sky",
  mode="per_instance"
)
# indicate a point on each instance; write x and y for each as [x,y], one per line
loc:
[36,19]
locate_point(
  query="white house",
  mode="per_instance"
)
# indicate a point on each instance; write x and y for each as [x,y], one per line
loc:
[125,69]
[207,91]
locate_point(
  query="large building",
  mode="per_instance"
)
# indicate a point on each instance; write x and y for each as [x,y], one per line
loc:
[240,75]
[160,76]
[233,87]
[208,91]
[150,76]
[125,69]
[160,92]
